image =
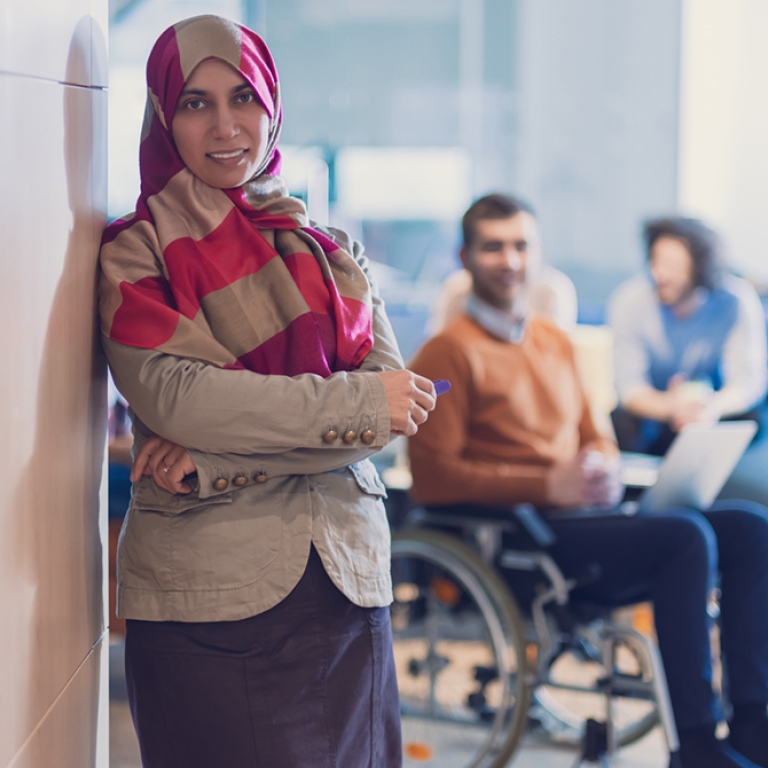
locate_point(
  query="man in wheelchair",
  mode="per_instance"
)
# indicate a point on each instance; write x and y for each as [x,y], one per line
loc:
[517,428]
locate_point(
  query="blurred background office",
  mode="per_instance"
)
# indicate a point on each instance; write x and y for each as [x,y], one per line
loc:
[601,113]
[400,112]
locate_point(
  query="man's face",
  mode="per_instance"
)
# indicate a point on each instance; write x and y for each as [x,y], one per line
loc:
[672,270]
[499,256]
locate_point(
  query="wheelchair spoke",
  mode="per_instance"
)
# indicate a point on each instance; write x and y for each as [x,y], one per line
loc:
[456,662]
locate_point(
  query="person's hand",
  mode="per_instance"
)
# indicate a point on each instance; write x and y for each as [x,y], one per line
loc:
[689,403]
[687,412]
[167,462]
[410,398]
[587,480]
[603,479]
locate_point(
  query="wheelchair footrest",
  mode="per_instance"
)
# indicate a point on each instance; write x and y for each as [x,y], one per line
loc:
[485,675]
[628,686]
[477,703]
[594,743]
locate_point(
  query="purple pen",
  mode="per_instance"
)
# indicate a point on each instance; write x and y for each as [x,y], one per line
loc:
[442,386]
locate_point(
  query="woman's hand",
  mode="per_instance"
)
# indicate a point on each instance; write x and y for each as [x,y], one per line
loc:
[167,462]
[410,398]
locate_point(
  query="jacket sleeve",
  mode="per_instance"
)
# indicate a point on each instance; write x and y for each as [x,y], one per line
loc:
[201,406]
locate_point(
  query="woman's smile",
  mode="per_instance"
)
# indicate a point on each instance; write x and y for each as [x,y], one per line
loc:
[234,154]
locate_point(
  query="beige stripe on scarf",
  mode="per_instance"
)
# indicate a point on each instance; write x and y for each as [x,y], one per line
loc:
[187,207]
[244,322]
[211,36]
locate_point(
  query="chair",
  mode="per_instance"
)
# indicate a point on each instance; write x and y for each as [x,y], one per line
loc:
[480,664]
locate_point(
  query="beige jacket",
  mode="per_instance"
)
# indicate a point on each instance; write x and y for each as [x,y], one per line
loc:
[282,462]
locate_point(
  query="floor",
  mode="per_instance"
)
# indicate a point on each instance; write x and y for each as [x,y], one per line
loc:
[649,752]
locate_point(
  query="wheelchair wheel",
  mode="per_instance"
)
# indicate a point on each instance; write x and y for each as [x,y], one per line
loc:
[460,655]
[572,691]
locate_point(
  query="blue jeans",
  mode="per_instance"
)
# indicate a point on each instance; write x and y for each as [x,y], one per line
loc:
[674,559]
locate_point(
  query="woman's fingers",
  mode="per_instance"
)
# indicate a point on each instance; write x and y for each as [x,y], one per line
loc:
[425,393]
[410,398]
[141,462]
[180,465]
[167,463]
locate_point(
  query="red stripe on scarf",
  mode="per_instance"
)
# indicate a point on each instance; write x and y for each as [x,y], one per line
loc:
[328,245]
[305,346]
[197,267]
[147,313]
[306,272]
[355,317]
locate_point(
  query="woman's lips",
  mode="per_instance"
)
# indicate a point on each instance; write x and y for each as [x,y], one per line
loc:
[228,156]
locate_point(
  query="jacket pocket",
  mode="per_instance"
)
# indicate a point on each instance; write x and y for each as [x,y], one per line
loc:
[149,497]
[367,478]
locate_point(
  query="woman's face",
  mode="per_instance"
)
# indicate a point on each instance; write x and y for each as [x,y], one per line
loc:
[220,128]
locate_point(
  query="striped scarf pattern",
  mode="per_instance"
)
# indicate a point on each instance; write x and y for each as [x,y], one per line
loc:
[234,277]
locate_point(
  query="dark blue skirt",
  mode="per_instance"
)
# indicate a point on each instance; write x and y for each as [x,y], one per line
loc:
[308,684]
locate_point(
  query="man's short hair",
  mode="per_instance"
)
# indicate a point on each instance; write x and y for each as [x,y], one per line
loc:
[702,243]
[493,206]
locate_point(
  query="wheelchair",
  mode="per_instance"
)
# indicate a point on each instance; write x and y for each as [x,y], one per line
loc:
[480,663]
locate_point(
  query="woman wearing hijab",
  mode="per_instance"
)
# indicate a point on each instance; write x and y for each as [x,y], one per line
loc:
[262,373]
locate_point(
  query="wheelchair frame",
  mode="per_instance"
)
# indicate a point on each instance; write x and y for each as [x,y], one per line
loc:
[535,642]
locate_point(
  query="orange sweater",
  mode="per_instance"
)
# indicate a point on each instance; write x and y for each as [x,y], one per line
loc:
[513,410]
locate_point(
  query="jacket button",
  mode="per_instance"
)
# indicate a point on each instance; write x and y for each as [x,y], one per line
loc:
[330,435]
[220,483]
[367,436]
[260,478]
[349,436]
[239,481]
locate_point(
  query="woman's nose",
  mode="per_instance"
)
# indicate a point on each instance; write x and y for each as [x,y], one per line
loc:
[225,124]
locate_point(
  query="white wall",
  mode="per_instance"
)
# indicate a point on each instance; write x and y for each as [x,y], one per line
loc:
[53,652]
[598,113]
[724,124]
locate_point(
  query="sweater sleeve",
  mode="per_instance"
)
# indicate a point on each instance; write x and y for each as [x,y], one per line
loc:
[745,370]
[442,473]
[628,312]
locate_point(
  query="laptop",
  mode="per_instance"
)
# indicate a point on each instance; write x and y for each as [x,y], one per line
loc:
[696,466]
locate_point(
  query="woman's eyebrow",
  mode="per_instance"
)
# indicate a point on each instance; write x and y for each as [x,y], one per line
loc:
[201,92]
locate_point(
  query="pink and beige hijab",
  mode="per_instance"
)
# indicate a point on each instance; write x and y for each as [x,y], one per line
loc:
[233,277]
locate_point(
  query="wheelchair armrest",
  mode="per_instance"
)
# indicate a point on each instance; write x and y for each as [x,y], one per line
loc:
[534,525]
[522,521]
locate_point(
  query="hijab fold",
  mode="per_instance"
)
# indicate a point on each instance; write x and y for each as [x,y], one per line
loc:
[234,277]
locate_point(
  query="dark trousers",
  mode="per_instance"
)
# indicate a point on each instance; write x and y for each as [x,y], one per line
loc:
[309,683]
[674,559]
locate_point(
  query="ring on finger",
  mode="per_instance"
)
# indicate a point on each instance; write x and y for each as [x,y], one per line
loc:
[166,468]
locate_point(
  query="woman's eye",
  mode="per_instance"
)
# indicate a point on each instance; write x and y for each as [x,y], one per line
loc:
[194,104]
[245,98]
